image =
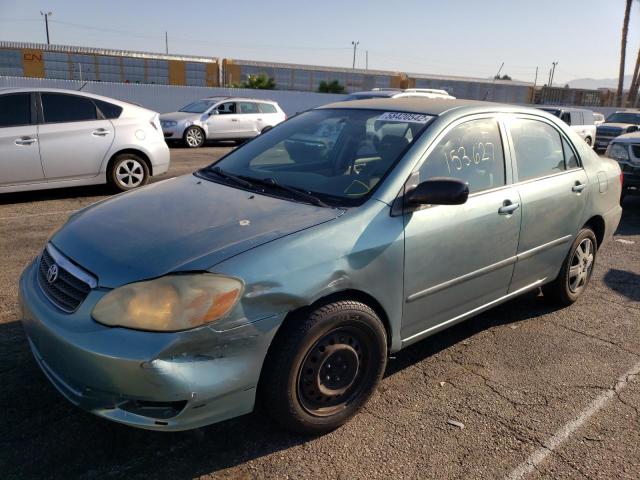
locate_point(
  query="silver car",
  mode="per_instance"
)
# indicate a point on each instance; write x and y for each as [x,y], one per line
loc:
[221,118]
[53,138]
[288,271]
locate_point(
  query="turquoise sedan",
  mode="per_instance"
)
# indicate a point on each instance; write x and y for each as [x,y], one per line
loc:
[287,272]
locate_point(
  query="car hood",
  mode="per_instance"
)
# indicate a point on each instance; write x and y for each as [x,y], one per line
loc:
[178,116]
[633,137]
[616,125]
[181,224]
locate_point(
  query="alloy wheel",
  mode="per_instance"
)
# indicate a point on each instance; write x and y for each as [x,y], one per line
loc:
[581,265]
[194,137]
[130,173]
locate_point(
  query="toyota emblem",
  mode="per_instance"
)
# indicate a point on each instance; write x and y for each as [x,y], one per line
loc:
[52,273]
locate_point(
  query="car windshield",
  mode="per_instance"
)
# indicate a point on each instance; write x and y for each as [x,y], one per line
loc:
[338,155]
[200,106]
[368,95]
[624,117]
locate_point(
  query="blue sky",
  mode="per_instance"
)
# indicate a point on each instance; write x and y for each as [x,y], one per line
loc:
[457,37]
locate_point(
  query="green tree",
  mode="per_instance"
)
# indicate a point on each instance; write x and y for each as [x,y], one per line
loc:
[330,87]
[503,77]
[261,82]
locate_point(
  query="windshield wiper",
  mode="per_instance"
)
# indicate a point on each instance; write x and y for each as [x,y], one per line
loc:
[272,182]
[240,181]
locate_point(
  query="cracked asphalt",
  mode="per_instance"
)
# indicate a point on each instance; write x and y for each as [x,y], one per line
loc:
[479,400]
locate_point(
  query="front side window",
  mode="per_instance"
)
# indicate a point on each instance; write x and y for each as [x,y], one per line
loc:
[538,148]
[339,155]
[248,107]
[67,108]
[471,152]
[15,110]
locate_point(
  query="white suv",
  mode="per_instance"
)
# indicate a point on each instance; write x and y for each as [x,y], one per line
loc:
[52,138]
[221,118]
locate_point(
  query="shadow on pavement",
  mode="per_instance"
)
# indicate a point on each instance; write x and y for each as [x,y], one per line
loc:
[624,282]
[56,194]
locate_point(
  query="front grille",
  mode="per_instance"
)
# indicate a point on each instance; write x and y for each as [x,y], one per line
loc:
[636,150]
[608,133]
[67,291]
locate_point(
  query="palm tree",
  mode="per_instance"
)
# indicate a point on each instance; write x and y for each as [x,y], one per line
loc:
[261,82]
[330,87]
[623,52]
[635,82]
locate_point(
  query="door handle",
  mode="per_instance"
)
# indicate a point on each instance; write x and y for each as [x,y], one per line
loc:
[234,119]
[259,119]
[101,132]
[578,187]
[25,140]
[508,207]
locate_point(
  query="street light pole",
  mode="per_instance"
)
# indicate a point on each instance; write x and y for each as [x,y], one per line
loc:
[46,22]
[553,72]
[355,46]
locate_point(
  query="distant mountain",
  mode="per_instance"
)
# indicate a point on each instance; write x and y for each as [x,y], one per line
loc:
[595,83]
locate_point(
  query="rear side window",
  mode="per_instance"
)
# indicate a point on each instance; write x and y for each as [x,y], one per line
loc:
[267,108]
[109,110]
[538,148]
[570,159]
[15,110]
[67,108]
[576,118]
[248,107]
[471,152]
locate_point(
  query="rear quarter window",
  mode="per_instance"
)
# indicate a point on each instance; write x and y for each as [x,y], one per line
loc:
[267,108]
[109,110]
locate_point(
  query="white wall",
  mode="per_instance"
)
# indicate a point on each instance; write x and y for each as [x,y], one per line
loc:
[168,98]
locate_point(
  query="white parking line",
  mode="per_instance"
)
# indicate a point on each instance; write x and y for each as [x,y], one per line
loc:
[537,457]
[30,215]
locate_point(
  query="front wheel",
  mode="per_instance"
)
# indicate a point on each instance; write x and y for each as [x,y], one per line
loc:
[323,367]
[576,270]
[589,141]
[128,171]
[193,137]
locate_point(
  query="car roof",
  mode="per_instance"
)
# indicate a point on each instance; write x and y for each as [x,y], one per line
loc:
[429,106]
[239,99]
[73,92]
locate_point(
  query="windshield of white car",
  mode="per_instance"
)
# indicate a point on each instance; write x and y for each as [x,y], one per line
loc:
[336,155]
[200,106]
[624,117]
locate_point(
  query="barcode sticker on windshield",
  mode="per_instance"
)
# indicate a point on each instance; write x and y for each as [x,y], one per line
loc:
[404,117]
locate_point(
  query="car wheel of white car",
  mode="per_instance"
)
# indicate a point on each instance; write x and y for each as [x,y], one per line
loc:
[589,141]
[128,171]
[193,137]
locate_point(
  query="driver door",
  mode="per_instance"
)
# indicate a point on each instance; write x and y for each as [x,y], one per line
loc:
[459,258]
[225,124]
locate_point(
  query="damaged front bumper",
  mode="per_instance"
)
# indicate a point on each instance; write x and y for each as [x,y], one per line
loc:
[159,381]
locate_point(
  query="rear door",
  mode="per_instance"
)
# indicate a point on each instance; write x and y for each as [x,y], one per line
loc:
[250,119]
[19,152]
[553,190]
[74,138]
[461,257]
[270,115]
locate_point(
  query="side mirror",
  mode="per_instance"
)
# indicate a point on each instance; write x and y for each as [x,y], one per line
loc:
[214,112]
[439,191]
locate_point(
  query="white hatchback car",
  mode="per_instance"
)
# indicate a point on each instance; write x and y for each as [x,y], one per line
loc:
[53,138]
[221,118]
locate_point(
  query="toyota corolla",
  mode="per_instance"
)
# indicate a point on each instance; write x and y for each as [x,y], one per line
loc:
[287,272]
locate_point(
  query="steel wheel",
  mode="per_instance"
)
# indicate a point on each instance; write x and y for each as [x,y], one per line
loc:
[130,173]
[194,137]
[581,265]
[331,373]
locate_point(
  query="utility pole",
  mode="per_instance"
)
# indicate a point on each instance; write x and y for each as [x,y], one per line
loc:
[535,80]
[355,46]
[553,72]
[533,90]
[166,42]
[46,22]
[366,61]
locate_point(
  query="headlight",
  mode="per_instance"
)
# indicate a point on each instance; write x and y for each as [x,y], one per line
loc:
[168,123]
[618,151]
[171,303]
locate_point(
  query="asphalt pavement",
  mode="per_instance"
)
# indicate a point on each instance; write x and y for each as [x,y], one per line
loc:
[521,391]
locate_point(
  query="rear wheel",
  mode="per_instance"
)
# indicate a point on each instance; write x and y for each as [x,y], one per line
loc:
[576,270]
[193,137]
[589,141]
[323,367]
[266,129]
[128,171]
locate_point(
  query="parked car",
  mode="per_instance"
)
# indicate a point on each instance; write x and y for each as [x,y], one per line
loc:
[288,271]
[53,138]
[400,93]
[617,124]
[625,149]
[221,118]
[598,118]
[581,120]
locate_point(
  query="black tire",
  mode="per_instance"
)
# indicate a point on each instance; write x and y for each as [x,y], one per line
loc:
[128,171]
[589,141]
[266,129]
[193,137]
[301,389]
[576,271]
